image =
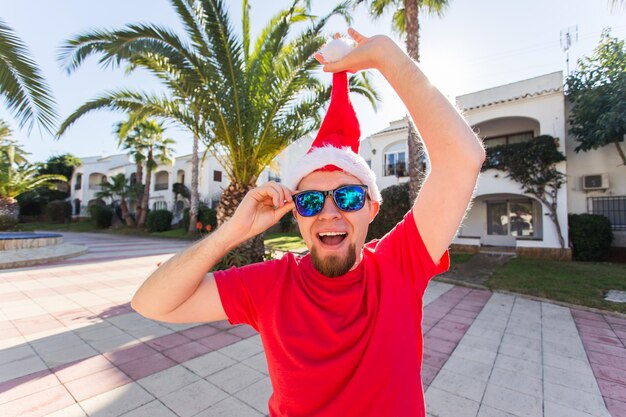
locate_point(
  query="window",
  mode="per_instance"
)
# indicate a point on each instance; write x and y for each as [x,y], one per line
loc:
[159,205]
[395,164]
[79,182]
[133,178]
[96,180]
[273,176]
[613,207]
[161,180]
[508,139]
[217,176]
[513,218]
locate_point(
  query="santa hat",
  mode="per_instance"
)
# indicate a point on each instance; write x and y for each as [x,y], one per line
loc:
[336,146]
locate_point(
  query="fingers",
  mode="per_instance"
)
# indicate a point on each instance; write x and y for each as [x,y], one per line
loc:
[358,38]
[280,194]
[320,58]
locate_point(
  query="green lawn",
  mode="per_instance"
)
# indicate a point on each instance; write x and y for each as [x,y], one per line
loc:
[582,283]
[82,226]
[460,257]
[284,241]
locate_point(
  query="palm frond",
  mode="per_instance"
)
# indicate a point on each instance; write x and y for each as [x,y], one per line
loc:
[26,93]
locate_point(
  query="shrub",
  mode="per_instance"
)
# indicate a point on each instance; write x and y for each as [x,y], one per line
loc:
[7,222]
[395,205]
[287,223]
[590,236]
[102,216]
[59,211]
[206,216]
[159,221]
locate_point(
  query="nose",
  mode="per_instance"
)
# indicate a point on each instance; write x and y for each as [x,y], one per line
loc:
[329,210]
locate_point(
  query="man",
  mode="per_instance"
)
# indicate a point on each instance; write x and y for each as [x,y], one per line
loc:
[341,327]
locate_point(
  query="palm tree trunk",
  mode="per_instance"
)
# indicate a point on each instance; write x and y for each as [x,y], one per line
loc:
[125,214]
[138,184]
[415,144]
[252,250]
[145,200]
[9,212]
[194,199]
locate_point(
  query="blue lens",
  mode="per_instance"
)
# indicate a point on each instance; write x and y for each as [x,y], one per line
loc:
[350,197]
[309,203]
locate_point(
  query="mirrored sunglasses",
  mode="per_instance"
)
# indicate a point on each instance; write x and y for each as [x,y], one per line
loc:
[346,198]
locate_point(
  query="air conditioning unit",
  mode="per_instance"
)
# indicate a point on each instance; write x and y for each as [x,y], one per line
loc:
[595,182]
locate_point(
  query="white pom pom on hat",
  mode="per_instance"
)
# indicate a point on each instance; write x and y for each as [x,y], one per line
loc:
[336,49]
[336,146]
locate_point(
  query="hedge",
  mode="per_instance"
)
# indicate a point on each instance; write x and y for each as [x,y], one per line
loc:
[395,205]
[590,236]
[58,211]
[102,216]
[159,221]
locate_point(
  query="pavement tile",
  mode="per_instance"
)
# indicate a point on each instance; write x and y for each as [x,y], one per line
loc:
[116,402]
[241,350]
[464,386]
[193,398]
[74,370]
[167,381]
[443,403]
[428,374]
[439,345]
[98,331]
[512,401]
[97,383]
[137,351]
[187,351]
[68,354]
[26,385]
[552,409]
[616,408]
[607,360]
[149,332]
[487,411]
[38,404]
[148,365]
[111,344]
[16,353]
[235,378]
[434,358]
[20,368]
[152,409]
[199,332]
[257,395]
[243,331]
[468,368]
[208,364]
[609,373]
[166,342]
[219,340]
[612,389]
[258,362]
[73,410]
[230,407]
[573,398]
[603,348]
[517,381]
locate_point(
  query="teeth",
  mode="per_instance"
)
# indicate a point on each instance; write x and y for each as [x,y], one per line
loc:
[332,233]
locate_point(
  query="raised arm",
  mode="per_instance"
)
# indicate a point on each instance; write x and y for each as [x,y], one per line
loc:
[181,290]
[456,154]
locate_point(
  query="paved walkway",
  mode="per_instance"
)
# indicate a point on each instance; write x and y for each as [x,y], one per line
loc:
[71,346]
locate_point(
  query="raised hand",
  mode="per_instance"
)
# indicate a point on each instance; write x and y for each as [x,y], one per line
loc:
[369,53]
[261,208]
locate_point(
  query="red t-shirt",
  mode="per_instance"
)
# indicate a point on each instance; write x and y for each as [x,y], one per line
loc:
[345,346]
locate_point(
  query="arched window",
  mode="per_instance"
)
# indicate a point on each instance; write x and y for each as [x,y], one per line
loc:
[395,160]
[95,180]
[161,180]
[78,182]
[180,176]
[133,178]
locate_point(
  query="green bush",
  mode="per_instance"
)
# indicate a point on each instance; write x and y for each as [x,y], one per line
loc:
[159,221]
[206,215]
[395,205]
[58,211]
[287,223]
[102,216]
[590,236]
[7,222]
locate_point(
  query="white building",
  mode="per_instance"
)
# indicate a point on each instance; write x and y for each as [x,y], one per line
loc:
[502,214]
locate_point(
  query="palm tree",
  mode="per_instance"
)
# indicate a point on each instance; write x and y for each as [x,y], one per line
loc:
[22,87]
[246,101]
[118,186]
[17,178]
[406,22]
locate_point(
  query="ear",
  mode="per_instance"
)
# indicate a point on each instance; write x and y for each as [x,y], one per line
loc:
[374,207]
[294,212]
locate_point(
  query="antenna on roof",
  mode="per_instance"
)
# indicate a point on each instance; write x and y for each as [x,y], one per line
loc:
[568,36]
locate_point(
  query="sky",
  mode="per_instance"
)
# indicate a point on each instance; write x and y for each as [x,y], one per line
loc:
[474,45]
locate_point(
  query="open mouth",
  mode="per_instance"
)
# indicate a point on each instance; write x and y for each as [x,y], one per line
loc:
[332,238]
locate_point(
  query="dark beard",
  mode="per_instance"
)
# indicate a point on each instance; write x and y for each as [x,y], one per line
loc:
[334,266]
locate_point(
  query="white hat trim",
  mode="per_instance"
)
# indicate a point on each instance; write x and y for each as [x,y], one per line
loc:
[344,158]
